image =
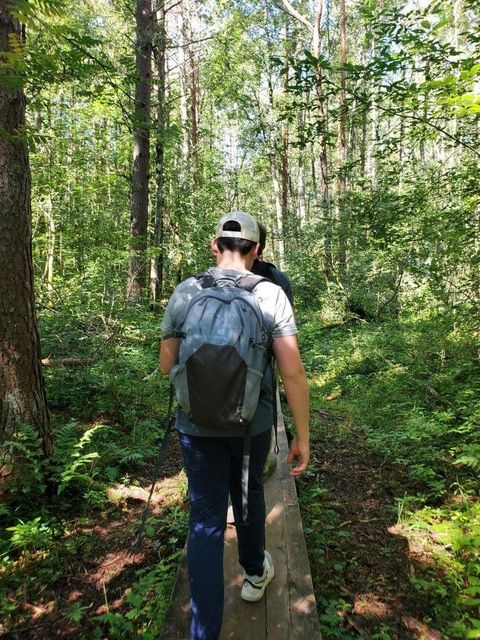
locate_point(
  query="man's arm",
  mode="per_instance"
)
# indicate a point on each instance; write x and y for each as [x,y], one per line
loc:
[168,356]
[293,375]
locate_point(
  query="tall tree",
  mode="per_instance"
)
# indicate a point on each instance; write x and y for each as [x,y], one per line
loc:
[22,392]
[193,82]
[315,30]
[141,152]
[190,87]
[342,151]
[284,142]
[276,150]
[157,262]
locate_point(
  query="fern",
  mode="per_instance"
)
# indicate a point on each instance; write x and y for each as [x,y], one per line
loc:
[469,457]
[33,534]
[65,438]
[70,456]
[131,457]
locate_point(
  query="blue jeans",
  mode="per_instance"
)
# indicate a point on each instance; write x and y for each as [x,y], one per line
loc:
[214,469]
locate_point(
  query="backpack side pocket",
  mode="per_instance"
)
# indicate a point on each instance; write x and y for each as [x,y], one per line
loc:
[253,384]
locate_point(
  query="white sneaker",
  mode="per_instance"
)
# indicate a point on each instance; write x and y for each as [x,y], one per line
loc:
[254,586]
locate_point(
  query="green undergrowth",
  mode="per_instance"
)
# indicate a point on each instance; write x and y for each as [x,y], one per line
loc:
[50,551]
[108,412]
[450,587]
[411,388]
[147,602]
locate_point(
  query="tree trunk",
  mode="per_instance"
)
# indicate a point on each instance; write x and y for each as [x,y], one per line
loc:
[141,153]
[301,189]
[50,220]
[284,177]
[371,156]
[193,85]
[321,115]
[184,88]
[273,144]
[341,217]
[457,13]
[157,262]
[363,142]
[302,202]
[284,145]
[314,29]
[400,145]
[22,391]
[278,211]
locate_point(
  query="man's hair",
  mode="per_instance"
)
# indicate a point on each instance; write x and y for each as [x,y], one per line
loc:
[263,237]
[243,247]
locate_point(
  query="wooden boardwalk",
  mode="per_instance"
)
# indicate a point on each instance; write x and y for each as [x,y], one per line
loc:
[288,610]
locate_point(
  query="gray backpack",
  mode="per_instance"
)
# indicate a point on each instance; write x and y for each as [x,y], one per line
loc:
[225,347]
[224,350]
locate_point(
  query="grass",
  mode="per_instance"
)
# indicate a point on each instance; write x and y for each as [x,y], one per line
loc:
[413,385]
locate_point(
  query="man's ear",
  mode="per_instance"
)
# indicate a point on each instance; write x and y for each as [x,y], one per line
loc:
[256,251]
[214,247]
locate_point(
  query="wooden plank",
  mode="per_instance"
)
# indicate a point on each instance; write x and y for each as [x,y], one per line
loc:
[303,609]
[276,595]
[241,619]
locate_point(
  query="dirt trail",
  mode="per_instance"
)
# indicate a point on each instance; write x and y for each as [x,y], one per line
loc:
[370,564]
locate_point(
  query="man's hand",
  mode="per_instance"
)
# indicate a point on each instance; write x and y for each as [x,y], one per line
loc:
[300,451]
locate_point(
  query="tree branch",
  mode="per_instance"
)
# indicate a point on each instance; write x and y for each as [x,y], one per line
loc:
[287,7]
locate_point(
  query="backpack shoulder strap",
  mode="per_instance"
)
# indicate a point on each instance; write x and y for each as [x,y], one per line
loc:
[206,279]
[250,282]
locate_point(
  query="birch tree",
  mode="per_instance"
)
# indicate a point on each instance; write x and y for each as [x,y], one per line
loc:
[314,28]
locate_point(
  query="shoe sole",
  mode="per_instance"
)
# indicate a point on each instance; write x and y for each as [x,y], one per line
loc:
[269,579]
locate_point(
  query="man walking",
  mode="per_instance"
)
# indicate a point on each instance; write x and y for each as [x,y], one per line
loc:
[268,270]
[214,458]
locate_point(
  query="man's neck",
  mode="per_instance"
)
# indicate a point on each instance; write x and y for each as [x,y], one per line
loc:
[233,260]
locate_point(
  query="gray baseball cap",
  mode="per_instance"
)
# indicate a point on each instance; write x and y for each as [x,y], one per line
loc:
[248,226]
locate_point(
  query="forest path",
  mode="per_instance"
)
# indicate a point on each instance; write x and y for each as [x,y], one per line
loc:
[362,563]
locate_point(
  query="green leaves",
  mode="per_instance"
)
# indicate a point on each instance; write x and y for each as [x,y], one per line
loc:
[75,463]
[469,456]
[12,64]
[30,12]
[32,535]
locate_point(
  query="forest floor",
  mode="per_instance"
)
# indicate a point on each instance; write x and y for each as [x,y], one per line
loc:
[362,558]
[390,501]
[108,589]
